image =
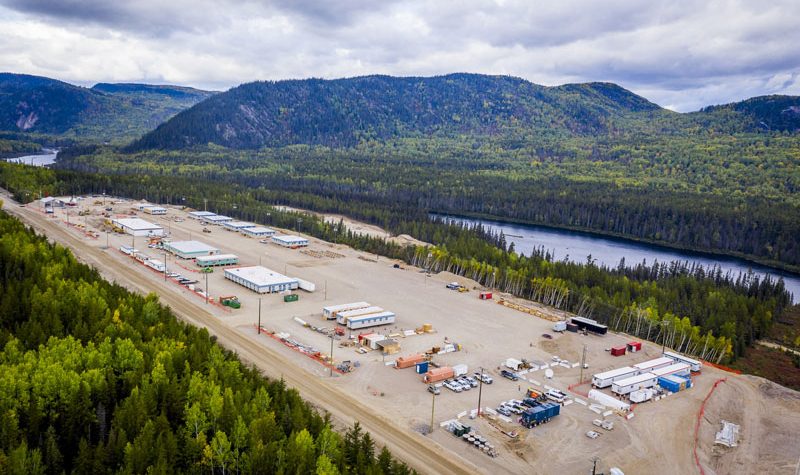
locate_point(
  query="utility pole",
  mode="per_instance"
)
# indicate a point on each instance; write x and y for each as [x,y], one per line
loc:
[207,292]
[433,405]
[663,337]
[165,266]
[205,204]
[594,465]
[480,390]
[331,367]
[583,363]
[326,289]
[259,315]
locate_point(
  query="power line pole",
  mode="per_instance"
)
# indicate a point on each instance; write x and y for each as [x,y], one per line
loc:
[433,405]
[165,266]
[583,363]
[331,367]
[207,292]
[480,390]
[259,315]
[326,289]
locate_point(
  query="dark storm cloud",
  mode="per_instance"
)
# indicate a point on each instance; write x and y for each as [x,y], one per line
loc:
[682,53]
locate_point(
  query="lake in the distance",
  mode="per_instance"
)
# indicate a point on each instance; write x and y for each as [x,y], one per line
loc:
[39,160]
[577,246]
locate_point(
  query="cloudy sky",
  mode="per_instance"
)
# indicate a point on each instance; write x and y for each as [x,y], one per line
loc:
[680,54]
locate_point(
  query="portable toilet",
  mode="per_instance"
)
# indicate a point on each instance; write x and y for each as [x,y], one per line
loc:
[422,367]
[634,346]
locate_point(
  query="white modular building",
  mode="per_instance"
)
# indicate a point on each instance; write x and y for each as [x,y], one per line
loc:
[217,219]
[138,227]
[330,312]
[342,317]
[606,378]
[650,365]
[260,279]
[634,383]
[258,232]
[237,225]
[217,260]
[290,241]
[677,369]
[190,249]
[155,210]
[156,264]
[370,320]
[694,365]
[200,214]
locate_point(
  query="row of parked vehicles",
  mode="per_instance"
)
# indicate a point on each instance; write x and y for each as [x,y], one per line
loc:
[463,383]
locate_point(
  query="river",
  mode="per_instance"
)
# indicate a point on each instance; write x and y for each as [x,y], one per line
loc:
[47,157]
[577,246]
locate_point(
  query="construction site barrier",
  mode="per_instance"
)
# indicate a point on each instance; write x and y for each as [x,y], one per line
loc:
[697,423]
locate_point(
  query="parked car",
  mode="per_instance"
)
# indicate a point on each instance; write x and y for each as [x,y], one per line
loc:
[556,395]
[510,375]
[484,377]
[472,381]
[592,434]
[502,410]
[264,241]
[433,389]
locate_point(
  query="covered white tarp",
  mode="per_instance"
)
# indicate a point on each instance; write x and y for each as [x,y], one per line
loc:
[608,401]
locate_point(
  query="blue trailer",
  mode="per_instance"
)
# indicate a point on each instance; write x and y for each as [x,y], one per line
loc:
[673,383]
[422,367]
[540,414]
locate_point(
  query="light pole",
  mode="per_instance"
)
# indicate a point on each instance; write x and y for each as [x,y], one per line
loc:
[259,315]
[663,337]
[165,266]
[583,363]
[207,292]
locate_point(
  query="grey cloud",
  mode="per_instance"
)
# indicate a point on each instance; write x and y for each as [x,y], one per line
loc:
[682,53]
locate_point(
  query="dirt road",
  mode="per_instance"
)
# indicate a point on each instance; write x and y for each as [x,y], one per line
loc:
[421,453]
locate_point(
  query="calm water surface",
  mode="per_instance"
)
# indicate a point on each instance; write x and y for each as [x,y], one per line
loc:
[577,246]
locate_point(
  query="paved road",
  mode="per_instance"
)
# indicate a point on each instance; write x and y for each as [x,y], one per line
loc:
[419,452]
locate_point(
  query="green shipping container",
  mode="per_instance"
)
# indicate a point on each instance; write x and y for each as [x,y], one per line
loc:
[291,298]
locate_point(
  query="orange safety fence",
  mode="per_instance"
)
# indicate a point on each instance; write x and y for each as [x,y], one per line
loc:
[697,423]
[723,368]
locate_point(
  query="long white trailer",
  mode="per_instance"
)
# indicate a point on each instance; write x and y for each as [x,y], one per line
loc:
[342,317]
[678,369]
[634,383]
[694,365]
[330,312]
[608,401]
[650,365]
[371,320]
[604,380]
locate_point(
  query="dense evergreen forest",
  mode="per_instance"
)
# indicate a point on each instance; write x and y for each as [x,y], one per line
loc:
[95,379]
[695,310]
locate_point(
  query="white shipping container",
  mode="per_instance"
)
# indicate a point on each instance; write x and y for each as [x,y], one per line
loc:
[460,370]
[513,363]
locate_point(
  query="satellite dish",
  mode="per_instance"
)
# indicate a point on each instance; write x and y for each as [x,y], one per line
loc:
[548,373]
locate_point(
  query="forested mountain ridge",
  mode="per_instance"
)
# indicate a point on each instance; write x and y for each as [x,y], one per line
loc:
[41,105]
[346,112]
[763,113]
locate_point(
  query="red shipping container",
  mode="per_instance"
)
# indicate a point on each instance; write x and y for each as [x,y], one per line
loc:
[438,374]
[486,296]
[618,351]
[408,361]
[635,346]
